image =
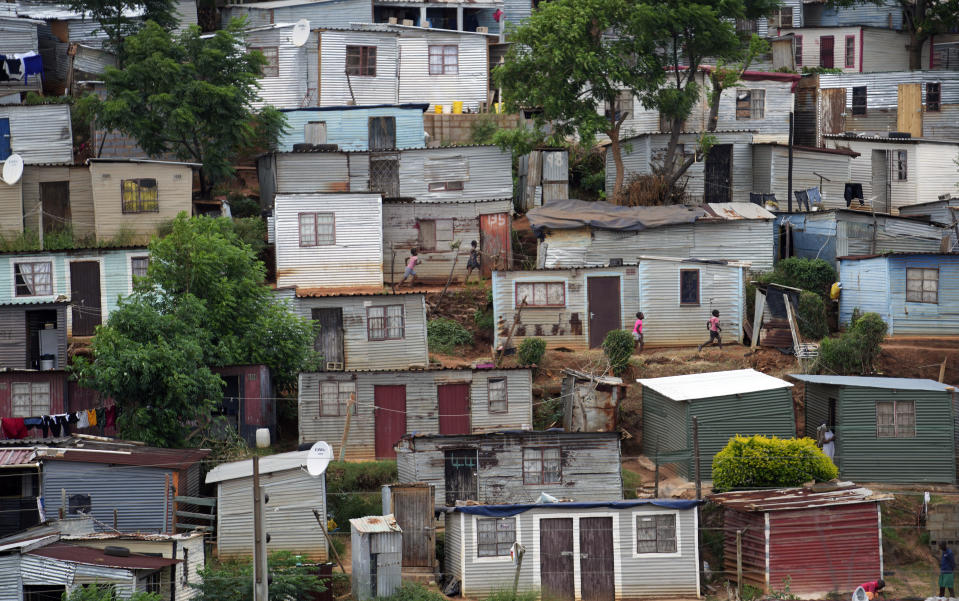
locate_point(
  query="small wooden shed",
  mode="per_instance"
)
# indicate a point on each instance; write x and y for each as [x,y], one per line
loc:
[821,539]
[377,546]
[412,505]
[592,401]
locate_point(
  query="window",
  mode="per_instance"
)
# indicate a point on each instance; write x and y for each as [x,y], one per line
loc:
[922,285]
[745,26]
[781,17]
[656,533]
[688,286]
[933,97]
[139,195]
[317,229]
[902,166]
[361,61]
[496,389]
[859,100]
[542,466]
[382,133]
[314,132]
[385,323]
[335,398]
[750,104]
[271,68]
[541,294]
[798,46]
[33,279]
[850,52]
[495,536]
[896,419]
[623,106]
[444,60]
[138,267]
[151,583]
[31,399]
[426,238]
[445,186]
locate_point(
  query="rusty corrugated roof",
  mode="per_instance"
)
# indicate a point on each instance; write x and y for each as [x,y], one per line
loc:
[17,457]
[98,557]
[783,499]
[373,524]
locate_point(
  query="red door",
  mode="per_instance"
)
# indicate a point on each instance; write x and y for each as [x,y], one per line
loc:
[390,417]
[826,45]
[454,401]
[495,242]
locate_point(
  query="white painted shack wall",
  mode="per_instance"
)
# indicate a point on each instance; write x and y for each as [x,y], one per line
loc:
[336,13]
[875,49]
[356,257]
[488,173]
[295,83]
[335,87]
[771,173]
[937,171]
[17,36]
[311,172]
[174,191]
[40,133]
[469,85]
[11,208]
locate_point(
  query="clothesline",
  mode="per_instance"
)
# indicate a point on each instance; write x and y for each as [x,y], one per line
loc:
[58,424]
[19,67]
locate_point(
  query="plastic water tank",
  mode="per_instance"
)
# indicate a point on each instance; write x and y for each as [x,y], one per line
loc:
[262,438]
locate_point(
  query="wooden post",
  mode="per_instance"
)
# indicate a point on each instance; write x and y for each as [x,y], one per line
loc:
[758,317]
[656,477]
[346,426]
[942,370]
[699,483]
[116,519]
[260,574]
[739,564]
[63,501]
[509,337]
[520,552]
[329,539]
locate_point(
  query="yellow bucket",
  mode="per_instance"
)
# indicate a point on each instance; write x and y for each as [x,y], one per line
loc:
[498,107]
[457,107]
[438,109]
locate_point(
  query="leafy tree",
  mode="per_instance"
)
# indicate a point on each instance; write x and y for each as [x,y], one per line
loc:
[202,304]
[190,97]
[854,352]
[232,580]
[761,462]
[116,20]
[105,592]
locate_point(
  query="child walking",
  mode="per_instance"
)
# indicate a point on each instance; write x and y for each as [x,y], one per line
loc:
[473,262]
[411,264]
[714,328]
[638,332]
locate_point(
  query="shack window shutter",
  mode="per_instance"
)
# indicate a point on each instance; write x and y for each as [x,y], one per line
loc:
[758,105]
[859,100]
[885,419]
[666,533]
[427,234]
[933,97]
[446,169]
[905,419]
[395,322]
[315,132]
[376,322]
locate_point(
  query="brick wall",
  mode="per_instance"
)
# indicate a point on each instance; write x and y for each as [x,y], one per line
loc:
[449,129]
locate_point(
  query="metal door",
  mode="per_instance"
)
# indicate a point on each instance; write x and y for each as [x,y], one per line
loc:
[602,295]
[85,297]
[909,109]
[717,176]
[495,242]
[390,416]
[413,508]
[329,340]
[556,565]
[596,559]
[4,138]
[55,203]
[832,120]
[880,180]
[454,403]
[460,467]
[826,45]
[382,133]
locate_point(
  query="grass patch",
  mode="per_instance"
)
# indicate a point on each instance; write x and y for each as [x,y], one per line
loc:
[353,489]
[631,481]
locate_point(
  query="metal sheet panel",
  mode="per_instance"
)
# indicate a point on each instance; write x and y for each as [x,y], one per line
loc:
[886,14]
[865,286]
[338,89]
[35,570]
[93,61]
[806,165]
[295,84]
[468,85]
[338,13]
[349,128]
[18,35]
[929,319]
[490,174]
[40,133]
[11,588]
[311,172]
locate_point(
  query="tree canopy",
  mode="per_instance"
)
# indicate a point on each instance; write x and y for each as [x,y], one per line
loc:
[202,304]
[232,580]
[190,97]
[122,18]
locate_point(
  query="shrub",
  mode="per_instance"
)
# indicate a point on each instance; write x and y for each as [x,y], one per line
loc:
[531,351]
[444,335]
[631,481]
[483,320]
[232,580]
[761,462]
[105,592]
[815,275]
[619,346]
[242,206]
[354,489]
[411,591]
[812,319]
[648,190]
[856,351]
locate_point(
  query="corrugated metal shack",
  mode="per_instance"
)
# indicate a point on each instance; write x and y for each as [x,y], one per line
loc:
[293,496]
[458,15]
[726,403]
[377,85]
[288,80]
[543,177]
[916,294]
[592,401]
[39,133]
[838,233]
[20,325]
[420,79]
[943,211]
[19,36]
[577,551]
[576,233]
[320,13]
[352,127]
[514,466]
[851,48]
[824,168]
[799,537]
[330,240]
[576,307]
[886,428]
[886,15]
[388,404]
[377,554]
[248,399]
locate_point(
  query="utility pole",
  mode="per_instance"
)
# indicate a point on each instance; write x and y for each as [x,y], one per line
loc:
[699,482]
[260,567]
[789,174]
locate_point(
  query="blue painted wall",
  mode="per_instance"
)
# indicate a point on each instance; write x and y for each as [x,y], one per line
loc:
[866,15]
[865,286]
[349,127]
[812,237]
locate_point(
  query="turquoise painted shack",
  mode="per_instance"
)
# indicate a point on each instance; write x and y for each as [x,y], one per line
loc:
[725,403]
[354,127]
[887,429]
[916,294]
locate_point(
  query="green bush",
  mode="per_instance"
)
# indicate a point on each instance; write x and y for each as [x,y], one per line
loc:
[483,320]
[354,489]
[242,206]
[508,595]
[815,275]
[631,481]
[854,352]
[444,335]
[104,592]
[412,591]
[531,351]
[619,346]
[811,317]
[232,580]
[761,462]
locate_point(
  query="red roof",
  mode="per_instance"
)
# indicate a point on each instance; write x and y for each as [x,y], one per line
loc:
[97,557]
[175,459]
[819,495]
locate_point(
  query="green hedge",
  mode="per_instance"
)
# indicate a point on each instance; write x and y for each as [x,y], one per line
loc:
[855,352]
[443,335]
[619,346]
[761,462]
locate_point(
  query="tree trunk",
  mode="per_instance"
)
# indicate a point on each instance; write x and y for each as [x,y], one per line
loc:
[669,162]
[617,151]
[204,184]
[915,50]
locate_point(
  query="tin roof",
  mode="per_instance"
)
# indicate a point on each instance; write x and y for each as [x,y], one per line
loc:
[269,464]
[897,254]
[280,4]
[785,499]
[352,291]
[135,160]
[374,524]
[98,557]
[174,459]
[739,210]
[357,107]
[886,139]
[876,382]
[713,384]
[517,508]
[18,457]
[601,379]
[138,536]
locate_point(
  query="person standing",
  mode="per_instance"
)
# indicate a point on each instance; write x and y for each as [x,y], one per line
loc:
[473,262]
[638,332]
[410,271]
[947,567]
[829,443]
[714,329]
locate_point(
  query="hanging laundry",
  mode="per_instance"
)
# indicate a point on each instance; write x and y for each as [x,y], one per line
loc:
[92,416]
[14,68]
[32,65]
[33,422]
[63,421]
[111,416]
[50,421]
[13,427]
[498,15]
[83,421]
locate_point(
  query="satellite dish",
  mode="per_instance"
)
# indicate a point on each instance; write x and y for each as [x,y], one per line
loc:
[859,594]
[301,32]
[318,458]
[12,169]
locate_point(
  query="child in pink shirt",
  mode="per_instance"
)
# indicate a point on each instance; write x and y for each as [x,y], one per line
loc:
[411,264]
[713,326]
[638,332]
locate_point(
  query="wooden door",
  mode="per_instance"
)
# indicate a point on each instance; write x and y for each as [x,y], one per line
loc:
[460,467]
[602,295]
[495,240]
[390,418]
[909,109]
[596,559]
[454,404]
[413,508]
[55,203]
[718,174]
[85,296]
[827,44]
[556,559]
[833,120]
[5,147]
[382,133]
[880,180]
[329,340]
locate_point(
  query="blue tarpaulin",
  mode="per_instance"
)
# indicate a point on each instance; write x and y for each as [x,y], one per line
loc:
[505,511]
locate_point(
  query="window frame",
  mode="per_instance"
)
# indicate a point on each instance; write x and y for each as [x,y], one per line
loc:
[775,19]
[476,532]
[366,54]
[922,291]
[420,243]
[135,206]
[676,533]
[441,51]
[272,61]
[849,62]
[386,323]
[517,301]
[31,411]
[699,288]
[938,96]
[340,403]
[753,97]
[316,231]
[797,50]
[859,109]
[450,186]
[133,268]
[902,165]
[306,131]
[17,273]
[542,465]
[489,395]
[895,418]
